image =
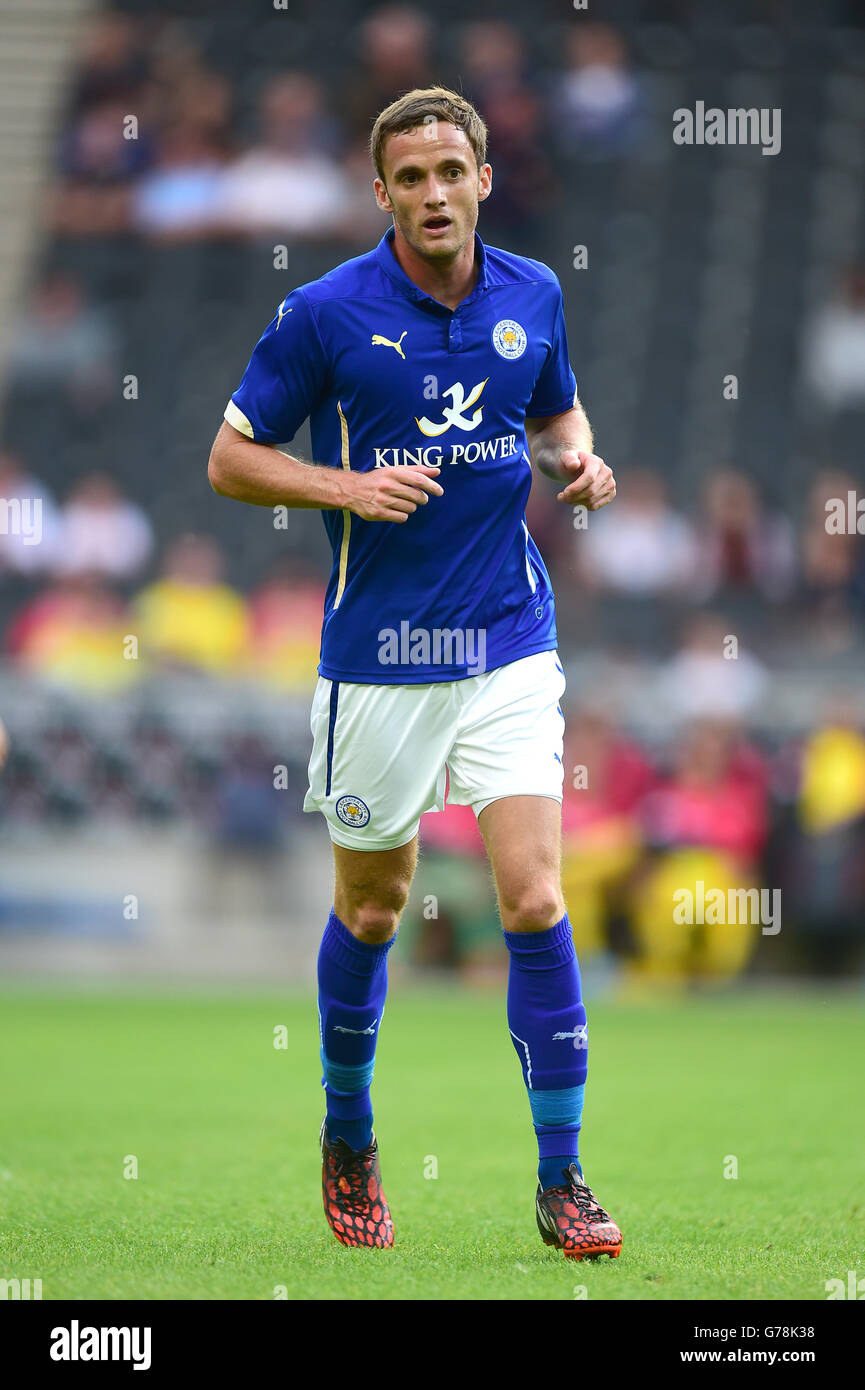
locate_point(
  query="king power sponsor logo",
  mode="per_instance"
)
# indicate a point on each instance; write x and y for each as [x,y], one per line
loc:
[503,446]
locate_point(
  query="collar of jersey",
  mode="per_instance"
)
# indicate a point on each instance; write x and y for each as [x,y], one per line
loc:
[394,271]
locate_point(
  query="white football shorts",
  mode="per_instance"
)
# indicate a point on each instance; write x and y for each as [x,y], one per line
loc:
[384,754]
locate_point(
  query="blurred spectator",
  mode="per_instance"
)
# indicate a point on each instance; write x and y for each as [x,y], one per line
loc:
[701,682]
[285,616]
[716,797]
[183,92]
[494,64]
[595,106]
[29,521]
[101,532]
[190,617]
[181,196]
[100,156]
[74,632]
[361,219]
[743,548]
[708,823]
[607,775]
[835,345]
[288,182]
[393,47]
[823,853]
[64,346]
[456,918]
[832,790]
[829,556]
[112,64]
[640,547]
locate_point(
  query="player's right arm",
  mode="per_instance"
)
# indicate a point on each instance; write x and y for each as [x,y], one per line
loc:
[265,477]
[287,375]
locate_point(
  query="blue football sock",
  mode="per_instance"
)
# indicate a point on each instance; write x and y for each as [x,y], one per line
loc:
[547,1023]
[352,984]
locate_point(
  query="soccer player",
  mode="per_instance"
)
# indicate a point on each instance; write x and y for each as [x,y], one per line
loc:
[434,371]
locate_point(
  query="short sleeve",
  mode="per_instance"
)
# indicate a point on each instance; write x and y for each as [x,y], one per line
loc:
[556,385]
[284,379]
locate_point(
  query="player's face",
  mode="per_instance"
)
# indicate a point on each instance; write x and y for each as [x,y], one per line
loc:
[433,187]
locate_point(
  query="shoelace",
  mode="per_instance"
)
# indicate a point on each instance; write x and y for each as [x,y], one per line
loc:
[350,1166]
[585,1198]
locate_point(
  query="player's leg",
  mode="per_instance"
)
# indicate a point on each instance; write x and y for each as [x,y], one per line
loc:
[507,764]
[378,762]
[371,890]
[370,893]
[546,1016]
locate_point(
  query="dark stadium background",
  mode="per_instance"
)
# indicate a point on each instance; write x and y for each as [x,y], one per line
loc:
[141,830]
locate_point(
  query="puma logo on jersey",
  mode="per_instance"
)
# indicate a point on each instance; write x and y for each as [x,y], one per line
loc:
[379,340]
[282,312]
[453,414]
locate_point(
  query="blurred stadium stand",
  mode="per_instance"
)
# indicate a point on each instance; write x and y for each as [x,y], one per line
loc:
[703,262]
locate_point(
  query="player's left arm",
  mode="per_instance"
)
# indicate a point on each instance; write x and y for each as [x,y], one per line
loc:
[561,447]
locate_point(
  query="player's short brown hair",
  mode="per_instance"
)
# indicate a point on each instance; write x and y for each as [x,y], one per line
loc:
[411,110]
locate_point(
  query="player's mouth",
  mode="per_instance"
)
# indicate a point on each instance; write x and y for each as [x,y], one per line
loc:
[437,225]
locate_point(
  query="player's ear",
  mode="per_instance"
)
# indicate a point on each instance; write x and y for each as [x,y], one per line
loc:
[381,195]
[485,182]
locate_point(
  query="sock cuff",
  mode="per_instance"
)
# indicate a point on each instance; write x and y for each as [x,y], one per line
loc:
[552,1109]
[542,950]
[358,957]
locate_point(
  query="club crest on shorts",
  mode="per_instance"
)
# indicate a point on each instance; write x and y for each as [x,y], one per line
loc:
[352,811]
[509,339]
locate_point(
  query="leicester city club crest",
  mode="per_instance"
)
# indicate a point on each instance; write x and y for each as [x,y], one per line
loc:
[352,811]
[509,339]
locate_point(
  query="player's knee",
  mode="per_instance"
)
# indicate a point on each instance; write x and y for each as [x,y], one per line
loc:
[532,907]
[374,918]
[373,923]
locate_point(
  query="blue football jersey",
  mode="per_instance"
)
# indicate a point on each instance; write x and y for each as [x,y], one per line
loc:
[389,376]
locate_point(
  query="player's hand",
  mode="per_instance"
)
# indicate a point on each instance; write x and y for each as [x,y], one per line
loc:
[593,486]
[391,494]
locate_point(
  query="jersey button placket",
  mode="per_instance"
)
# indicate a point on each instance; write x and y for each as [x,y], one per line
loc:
[455,335]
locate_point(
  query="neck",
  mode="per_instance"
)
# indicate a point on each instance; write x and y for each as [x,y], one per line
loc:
[450,282]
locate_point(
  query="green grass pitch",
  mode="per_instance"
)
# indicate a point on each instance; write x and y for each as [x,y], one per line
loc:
[224,1127]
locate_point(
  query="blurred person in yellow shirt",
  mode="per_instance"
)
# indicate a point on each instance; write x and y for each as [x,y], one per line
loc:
[833,775]
[191,617]
[75,632]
